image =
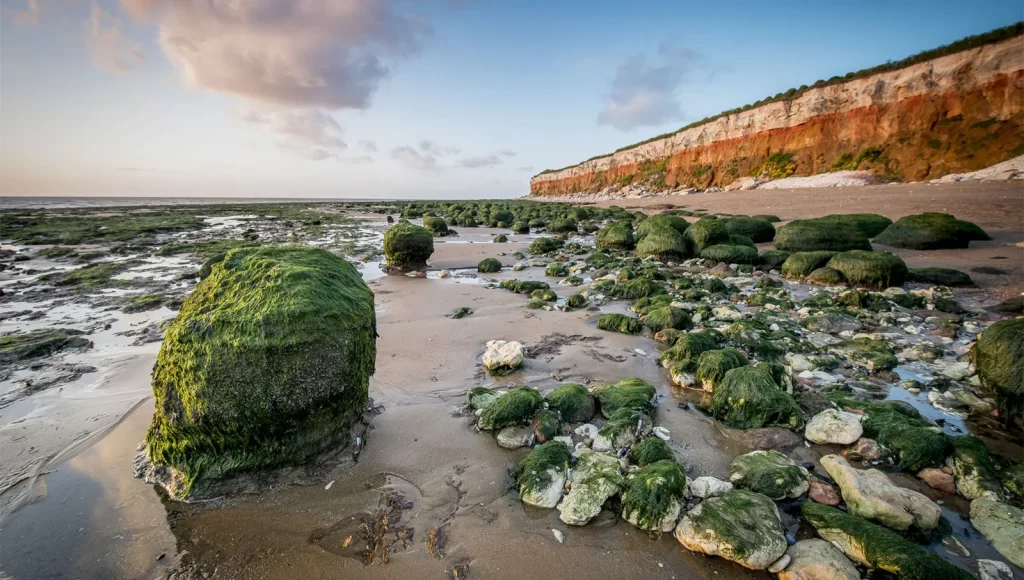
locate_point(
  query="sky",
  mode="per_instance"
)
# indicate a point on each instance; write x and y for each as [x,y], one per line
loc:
[403,98]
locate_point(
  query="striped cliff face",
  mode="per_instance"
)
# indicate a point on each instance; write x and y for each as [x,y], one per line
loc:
[955,113]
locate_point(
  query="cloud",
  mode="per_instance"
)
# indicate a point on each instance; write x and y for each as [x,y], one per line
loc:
[359,160]
[644,94]
[368,146]
[491,160]
[430,148]
[308,133]
[108,47]
[296,53]
[411,158]
[30,15]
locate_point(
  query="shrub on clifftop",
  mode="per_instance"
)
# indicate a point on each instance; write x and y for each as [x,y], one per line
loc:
[267,364]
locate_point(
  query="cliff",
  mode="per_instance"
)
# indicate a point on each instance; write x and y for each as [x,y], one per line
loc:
[953,113]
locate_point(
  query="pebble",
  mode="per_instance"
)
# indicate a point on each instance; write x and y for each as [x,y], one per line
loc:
[558,535]
[780,564]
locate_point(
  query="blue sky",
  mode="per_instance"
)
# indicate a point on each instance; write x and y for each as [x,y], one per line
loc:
[362,98]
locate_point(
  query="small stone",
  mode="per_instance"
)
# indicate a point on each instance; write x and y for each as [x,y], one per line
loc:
[779,564]
[938,479]
[832,426]
[704,487]
[502,357]
[558,535]
[823,493]
[515,437]
[863,450]
[994,570]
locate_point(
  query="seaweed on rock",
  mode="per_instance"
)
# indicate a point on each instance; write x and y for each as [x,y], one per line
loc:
[573,401]
[999,357]
[820,235]
[620,323]
[730,254]
[515,407]
[489,265]
[749,398]
[714,364]
[654,495]
[649,451]
[632,393]
[407,247]
[871,269]
[931,231]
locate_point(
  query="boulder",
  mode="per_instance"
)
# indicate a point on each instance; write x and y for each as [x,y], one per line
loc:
[832,426]
[822,493]
[653,496]
[863,450]
[516,407]
[503,357]
[632,393]
[573,401]
[515,437]
[705,487]
[994,570]
[931,231]
[871,269]
[816,559]
[407,247]
[749,398]
[874,355]
[938,479]
[741,526]
[623,429]
[650,450]
[999,357]
[770,473]
[878,547]
[974,470]
[870,494]
[616,235]
[267,364]
[1001,524]
[540,476]
[595,478]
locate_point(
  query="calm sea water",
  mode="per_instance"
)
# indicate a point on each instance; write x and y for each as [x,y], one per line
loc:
[87,202]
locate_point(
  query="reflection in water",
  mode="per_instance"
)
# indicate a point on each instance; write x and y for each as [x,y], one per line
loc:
[92,519]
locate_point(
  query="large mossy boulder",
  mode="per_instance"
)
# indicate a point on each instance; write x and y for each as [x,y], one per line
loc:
[730,254]
[771,473]
[617,235]
[616,322]
[871,269]
[654,496]
[931,231]
[749,398]
[820,235]
[878,547]
[664,244]
[897,426]
[267,364]
[407,247]
[689,347]
[574,402]
[868,224]
[632,393]
[541,475]
[666,317]
[622,429]
[758,230]
[740,525]
[545,245]
[40,343]
[649,451]
[705,233]
[802,264]
[489,266]
[999,357]
[516,407]
[435,225]
[714,364]
[661,220]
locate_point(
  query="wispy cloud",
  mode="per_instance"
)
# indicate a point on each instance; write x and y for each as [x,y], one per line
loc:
[644,94]
[30,15]
[368,146]
[491,160]
[308,133]
[108,47]
[431,148]
[411,158]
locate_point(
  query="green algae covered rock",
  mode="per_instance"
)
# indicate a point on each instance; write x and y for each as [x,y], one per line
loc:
[40,343]
[266,364]
[877,547]
[826,276]
[705,233]
[515,407]
[407,247]
[523,286]
[620,323]
[915,443]
[772,259]
[939,277]
[557,269]
[520,227]
[595,478]
[771,473]
[666,317]
[623,428]
[874,355]
[748,398]
[974,470]
[820,235]
[999,358]
[872,269]
[661,220]
[664,244]
[545,425]
[688,347]
[801,264]
[931,231]
[435,225]
[540,476]
[480,398]
[574,402]
[489,265]
[630,393]
[545,245]
[758,230]
[868,225]
[654,496]
[713,364]
[739,525]
[576,301]
[649,451]
[544,294]
[565,225]
[616,235]
[638,288]
[730,254]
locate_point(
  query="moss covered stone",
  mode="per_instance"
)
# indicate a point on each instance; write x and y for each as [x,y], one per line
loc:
[480,398]
[622,429]
[638,288]
[706,233]
[661,220]
[931,231]
[820,235]
[749,398]
[872,269]
[730,254]
[435,225]
[545,245]
[939,277]
[557,269]
[565,225]
[267,363]
[595,478]
[664,244]
[489,265]
[827,276]
[801,264]
[574,402]
[999,357]
[515,407]
[40,343]
[914,443]
[616,235]
[545,425]
[520,227]
[576,301]
[739,525]
[713,364]
[877,547]
[620,323]
[649,451]
[407,247]
[500,239]
[666,317]
[523,286]
[770,473]
[540,476]
[630,393]
[874,355]
[654,496]
[868,224]
[772,259]
[974,469]
[544,294]
[689,347]
[758,230]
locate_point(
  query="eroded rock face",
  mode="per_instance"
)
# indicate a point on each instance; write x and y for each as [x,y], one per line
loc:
[832,426]
[503,357]
[871,495]
[1001,524]
[816,559]
[595,478]
[770,473]
[740,525]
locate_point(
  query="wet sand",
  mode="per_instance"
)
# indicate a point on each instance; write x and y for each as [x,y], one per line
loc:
[95,521]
